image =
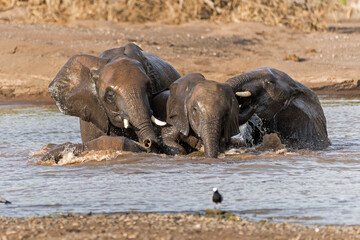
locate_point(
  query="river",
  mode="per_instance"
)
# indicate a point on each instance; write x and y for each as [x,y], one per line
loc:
[310,187]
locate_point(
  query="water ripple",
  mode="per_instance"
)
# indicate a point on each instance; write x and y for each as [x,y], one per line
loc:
[308,187]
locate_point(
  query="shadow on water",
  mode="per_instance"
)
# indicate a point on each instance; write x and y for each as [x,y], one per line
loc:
[298,186]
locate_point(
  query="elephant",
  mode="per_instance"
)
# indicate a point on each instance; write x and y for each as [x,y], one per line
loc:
[117,143]
[111,93]
[198,109]
[285,106]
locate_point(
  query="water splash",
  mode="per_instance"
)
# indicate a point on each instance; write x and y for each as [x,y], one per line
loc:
[317,187]
[70,158]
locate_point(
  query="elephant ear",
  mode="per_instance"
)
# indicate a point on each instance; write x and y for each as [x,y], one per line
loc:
[74,90]
[135,52]
[176,107]
[307,128]
[232,123]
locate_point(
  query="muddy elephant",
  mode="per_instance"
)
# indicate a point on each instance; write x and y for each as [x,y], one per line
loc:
[119,143]
[197,108]
[111,94]
[285,106]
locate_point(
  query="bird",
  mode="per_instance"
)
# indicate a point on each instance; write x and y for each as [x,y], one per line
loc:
[3,200]
[216,198]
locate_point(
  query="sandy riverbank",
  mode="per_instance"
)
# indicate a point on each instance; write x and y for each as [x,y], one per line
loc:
[31,55]
[162,226]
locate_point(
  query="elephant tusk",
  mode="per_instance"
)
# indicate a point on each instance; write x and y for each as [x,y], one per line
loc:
[126,123]
[157,121]
[243,94]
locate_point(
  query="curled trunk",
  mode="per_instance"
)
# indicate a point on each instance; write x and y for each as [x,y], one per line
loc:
[239,80]
[139,113]
[144,129]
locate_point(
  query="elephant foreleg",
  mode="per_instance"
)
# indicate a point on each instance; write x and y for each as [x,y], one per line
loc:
[58,151]
[170,137]
[193,142]
[102,143]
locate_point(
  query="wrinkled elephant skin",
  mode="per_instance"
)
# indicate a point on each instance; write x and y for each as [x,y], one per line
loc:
[200,109]
[285,106]
[111,94]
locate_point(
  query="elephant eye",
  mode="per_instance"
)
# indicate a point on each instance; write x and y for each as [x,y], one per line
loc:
[194,109]
[268,81]
[109,96]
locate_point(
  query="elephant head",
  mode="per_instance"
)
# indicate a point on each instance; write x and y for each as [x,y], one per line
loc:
[285,106]
[114,89]
[207,108]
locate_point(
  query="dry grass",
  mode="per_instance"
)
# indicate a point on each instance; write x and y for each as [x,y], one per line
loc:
[307,15]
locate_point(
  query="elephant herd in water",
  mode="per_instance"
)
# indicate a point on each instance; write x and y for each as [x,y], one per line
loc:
[129,99]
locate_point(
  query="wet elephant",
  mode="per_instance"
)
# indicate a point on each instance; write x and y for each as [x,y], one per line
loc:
[111,94]
[285,106]
[118,143]
[197,108]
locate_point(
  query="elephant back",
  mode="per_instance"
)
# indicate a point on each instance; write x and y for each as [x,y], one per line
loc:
[113,53]
[161,73]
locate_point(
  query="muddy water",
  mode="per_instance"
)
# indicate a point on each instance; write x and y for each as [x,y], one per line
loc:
[308,187]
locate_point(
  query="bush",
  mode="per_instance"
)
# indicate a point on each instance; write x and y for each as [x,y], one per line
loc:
[307,15]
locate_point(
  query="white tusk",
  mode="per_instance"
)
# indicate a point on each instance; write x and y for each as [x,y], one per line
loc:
[157,121]
[126,123]
[243,94]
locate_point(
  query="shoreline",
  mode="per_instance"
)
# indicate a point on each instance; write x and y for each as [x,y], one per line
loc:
[32,54]
[325,92]
[163,226]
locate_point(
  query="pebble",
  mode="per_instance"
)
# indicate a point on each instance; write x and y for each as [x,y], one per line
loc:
[161,226]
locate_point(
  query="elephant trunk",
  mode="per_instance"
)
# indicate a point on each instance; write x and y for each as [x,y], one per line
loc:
[139,114]
[237,81]
[211,138]
[144,130]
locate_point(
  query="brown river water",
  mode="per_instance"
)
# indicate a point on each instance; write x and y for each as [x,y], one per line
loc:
[321,187]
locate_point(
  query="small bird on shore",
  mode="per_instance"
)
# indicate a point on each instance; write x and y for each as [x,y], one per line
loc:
[216,198]
[3,200]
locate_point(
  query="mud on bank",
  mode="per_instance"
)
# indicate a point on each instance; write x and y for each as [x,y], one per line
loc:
[163,226]
[31,55]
